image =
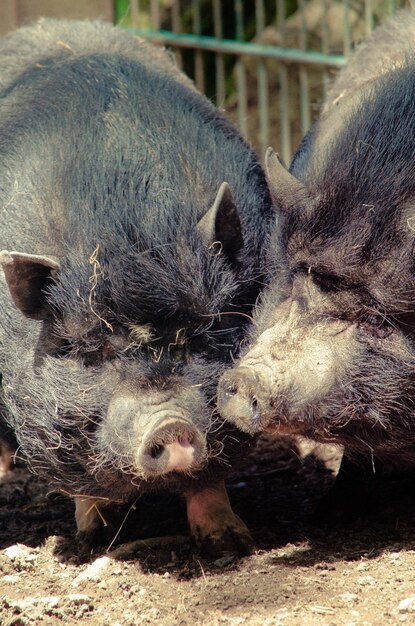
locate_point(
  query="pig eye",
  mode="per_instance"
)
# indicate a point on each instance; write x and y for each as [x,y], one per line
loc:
[63,349]
[177,348]
[109,352]
[376,325]
[327,283]
[93,357]
[177,353]
[373,319]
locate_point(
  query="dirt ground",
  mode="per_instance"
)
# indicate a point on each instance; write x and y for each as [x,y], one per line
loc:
[330,572]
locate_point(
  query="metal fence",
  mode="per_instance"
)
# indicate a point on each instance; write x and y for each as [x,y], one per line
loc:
[268,63]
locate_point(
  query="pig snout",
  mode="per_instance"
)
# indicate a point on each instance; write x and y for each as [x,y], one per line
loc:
[152,432]
[173,445]
[289,369]
[242,398]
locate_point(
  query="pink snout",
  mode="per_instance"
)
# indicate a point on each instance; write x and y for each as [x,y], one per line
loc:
[173,445]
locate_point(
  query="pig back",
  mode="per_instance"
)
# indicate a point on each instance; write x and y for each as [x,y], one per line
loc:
[97,125]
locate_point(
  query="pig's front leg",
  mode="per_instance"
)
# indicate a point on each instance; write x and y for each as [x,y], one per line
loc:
[213,524]
[6,458]
[90,522]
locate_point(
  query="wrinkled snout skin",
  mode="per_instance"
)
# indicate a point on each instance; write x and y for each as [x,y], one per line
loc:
[152,431]
[296,363]
[331,353]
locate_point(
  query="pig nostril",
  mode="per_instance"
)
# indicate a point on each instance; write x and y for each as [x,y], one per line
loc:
[156,451]
[185,440]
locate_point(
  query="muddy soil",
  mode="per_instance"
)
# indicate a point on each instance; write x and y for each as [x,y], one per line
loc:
[313,566]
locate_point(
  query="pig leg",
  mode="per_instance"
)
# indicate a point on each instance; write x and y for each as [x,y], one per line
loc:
[345,497]
[355,491]
[89,520]
[214,525]
[8,444]
[6,458]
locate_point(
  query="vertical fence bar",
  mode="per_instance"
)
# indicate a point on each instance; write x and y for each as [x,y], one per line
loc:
[139,14]
[368,17]
[285,127]
[346,29]
[304,83]
[219,62]
[135,13]
[144,13]
[155,14]
[325,47]
[177,28]
[241,89]
[197,29]
[262,80]
[392,6]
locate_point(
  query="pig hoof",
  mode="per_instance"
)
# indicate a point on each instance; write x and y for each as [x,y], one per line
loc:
[97,537]
[93,528]
[232,537]
[213,524]
[91,539]
[6,463]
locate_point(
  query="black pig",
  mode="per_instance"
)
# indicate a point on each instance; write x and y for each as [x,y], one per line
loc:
[134,219]
[332,349]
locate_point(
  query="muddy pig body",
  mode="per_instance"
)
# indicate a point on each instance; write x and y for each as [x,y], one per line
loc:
[332,349]
[133,224]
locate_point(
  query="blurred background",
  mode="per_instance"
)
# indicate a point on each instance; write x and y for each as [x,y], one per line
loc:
[267,63]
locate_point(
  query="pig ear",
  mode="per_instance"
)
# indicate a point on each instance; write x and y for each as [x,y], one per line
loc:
[222,224]
[27,277]
[285,188]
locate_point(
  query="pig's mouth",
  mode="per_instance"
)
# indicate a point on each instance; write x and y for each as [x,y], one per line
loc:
[244,399]
[251,398]
[172,450]
[278,416]
[323,422]
[301,427]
